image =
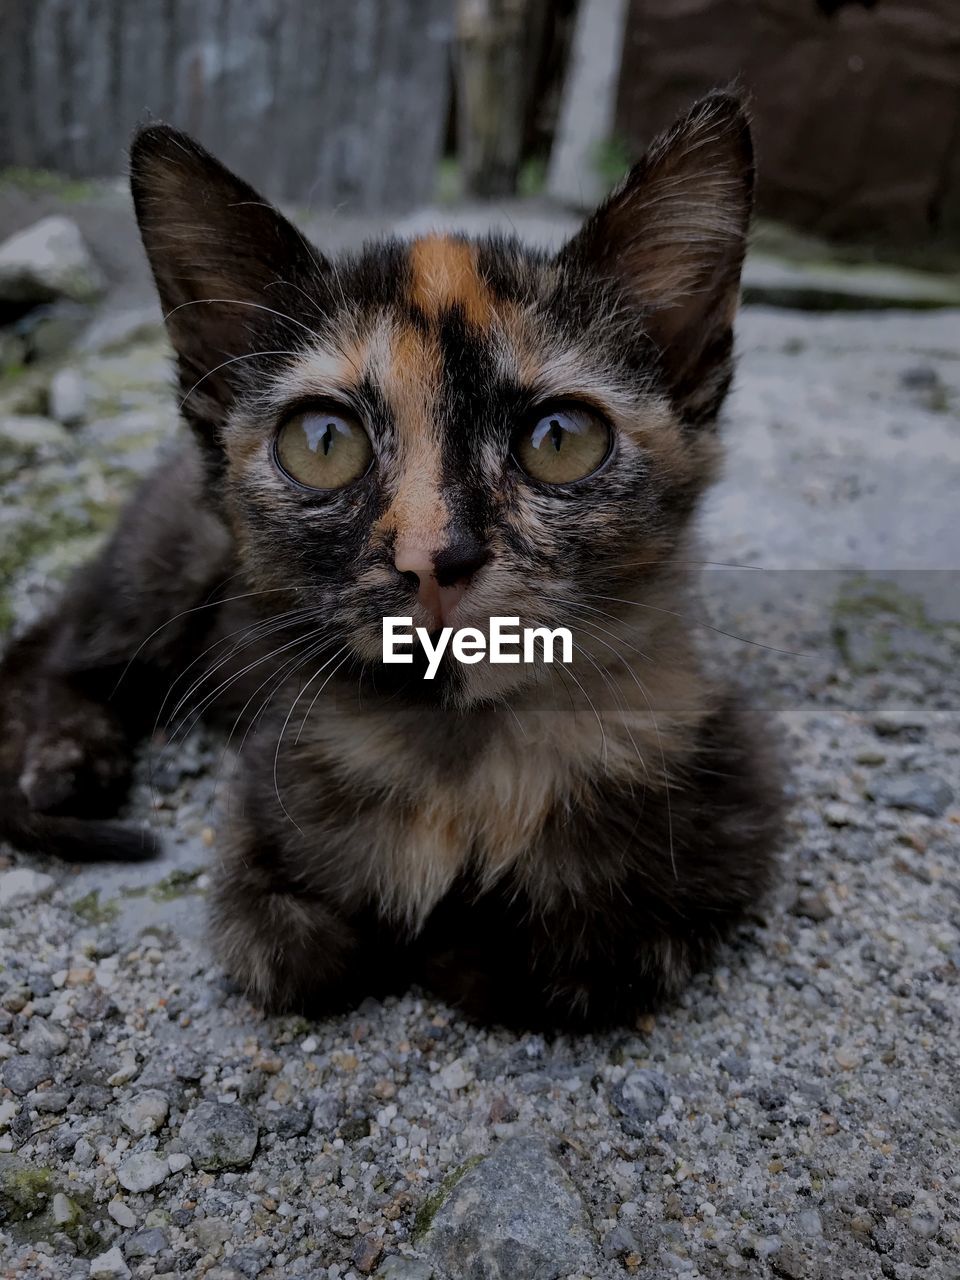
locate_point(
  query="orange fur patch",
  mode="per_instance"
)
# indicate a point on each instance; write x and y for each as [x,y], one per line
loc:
[411,386]
[444,274]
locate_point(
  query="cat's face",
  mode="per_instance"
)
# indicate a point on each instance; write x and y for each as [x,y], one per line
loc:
[450,429]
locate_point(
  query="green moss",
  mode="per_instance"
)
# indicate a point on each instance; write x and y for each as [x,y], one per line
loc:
[25,1189]
[43,182]
[432,1205]
[875,621]
[93,911]
[611,161]
[176,885]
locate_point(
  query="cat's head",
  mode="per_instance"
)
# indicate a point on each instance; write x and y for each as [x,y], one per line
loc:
[448,428]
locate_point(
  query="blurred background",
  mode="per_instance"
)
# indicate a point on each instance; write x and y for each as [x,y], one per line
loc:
[363,116]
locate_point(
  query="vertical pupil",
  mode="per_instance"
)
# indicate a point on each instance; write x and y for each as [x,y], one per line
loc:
[556,434]
[326,439]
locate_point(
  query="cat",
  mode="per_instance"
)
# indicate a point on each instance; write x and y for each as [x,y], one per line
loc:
[447,429]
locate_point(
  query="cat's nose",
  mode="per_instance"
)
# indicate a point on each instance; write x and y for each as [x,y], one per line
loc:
[441,576]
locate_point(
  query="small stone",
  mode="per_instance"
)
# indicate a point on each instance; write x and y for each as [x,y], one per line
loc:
[837,814]
[142,1171]
[517,1214]
[812,906]
[109,1266]
[46,262]
[640,1098]
[23,885]
[455,1075]
[398,1268]
[847,1057]
[44,1039]
[52,1101]
[914,792]
[146,1244]
[178,1162]
[127,1070]
[65,1211]
[366,1254]
[145,1112]
[122,1214]
[24,1073]
[891,722]
[920,377]
[68,397]
[288,1122]
[220,1135]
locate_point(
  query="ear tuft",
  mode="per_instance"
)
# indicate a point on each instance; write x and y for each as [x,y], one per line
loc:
[672,237]
[230,270]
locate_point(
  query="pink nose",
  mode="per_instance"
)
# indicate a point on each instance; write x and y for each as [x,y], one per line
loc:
[442,576]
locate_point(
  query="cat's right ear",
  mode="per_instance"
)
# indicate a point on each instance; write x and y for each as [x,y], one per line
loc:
[230,270]
[672,237]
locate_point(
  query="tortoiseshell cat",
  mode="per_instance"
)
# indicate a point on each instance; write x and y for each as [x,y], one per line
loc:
[447,429]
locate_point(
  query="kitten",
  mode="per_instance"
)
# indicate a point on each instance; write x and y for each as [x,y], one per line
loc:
[446,429]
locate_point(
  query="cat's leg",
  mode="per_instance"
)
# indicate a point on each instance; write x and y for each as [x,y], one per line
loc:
[82,685]
[619,906]
[282,938]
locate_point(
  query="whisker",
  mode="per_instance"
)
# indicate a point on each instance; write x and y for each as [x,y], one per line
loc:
[276,754]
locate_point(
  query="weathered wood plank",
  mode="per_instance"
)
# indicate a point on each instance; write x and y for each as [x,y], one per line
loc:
[339,103]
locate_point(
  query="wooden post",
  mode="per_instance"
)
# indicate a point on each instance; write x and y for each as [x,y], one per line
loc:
[494,72]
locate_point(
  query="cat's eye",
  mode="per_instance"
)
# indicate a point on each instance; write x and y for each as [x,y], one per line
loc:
[562,446]
[323,450]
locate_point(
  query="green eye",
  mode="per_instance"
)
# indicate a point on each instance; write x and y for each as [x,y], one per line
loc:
[563,446]
[323,450]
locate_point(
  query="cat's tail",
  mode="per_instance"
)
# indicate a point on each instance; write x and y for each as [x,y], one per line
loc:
[71,839]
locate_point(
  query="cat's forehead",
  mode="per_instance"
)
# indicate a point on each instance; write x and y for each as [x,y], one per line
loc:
[447,314]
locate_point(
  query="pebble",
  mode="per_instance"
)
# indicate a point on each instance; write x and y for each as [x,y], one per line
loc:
[400,1268]
[146,1244]
[891,722]
[477,1230]
[109,1266]
[142,1171]
[24,1073]
[68,396]
[122,1214]
[640,1099]
[914,792]
[44,1039]
[220,1135]
[145,1112]
[22,886]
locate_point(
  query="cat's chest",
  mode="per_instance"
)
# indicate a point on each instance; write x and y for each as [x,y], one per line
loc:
[395,822]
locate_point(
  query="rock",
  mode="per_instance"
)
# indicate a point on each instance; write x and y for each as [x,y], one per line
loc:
[811,905]
[640,1098]
[23,885]
[44,1039]
[142,1170]
[146,1244]
[220,1135]
[23,1073]
[65,1212]
[68,397]
[397,1268]
[516,1213]
[48,261]
[115,330]
[145,1112]
[122,1214]
[366,1253]
[900,721]
[914,792]
[109,1266]
[920,377]
[25,1189]
[178,1162]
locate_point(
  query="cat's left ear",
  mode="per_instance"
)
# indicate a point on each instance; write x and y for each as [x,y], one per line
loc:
[233,275]
[672,236]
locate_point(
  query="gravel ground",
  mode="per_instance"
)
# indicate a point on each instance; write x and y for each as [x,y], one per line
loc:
[796,1115]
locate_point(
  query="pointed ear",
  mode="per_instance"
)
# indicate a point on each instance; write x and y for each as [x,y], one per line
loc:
[672,237]
[230,270]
